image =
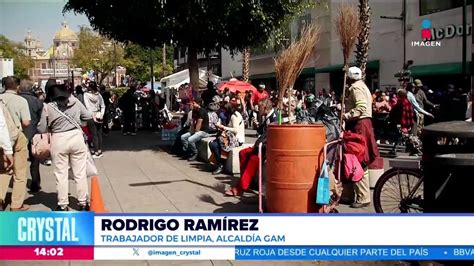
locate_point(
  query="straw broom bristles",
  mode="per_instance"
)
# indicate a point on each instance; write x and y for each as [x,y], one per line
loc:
[290,63]
[348,29]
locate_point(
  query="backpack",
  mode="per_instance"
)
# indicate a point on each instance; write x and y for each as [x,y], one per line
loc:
[352,168]
[41,143]
[213,121]
[12,129]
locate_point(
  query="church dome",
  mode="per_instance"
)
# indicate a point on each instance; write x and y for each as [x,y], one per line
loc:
[65,33]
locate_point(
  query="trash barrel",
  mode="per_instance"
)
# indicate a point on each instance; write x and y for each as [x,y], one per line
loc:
[294,158]
[447,164]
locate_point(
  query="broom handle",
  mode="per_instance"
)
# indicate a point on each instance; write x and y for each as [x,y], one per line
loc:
[289,105]
[343,99]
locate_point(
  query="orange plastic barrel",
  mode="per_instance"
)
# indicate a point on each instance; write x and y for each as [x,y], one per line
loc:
[294,158]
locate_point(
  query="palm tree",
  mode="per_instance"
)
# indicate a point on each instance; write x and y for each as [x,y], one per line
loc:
[246,64]
[362,52]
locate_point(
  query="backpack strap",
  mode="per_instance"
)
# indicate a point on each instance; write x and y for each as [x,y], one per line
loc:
[13,130]
[68,118]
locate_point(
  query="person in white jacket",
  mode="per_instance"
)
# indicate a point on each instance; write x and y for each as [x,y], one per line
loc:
[236,127]
[95,104]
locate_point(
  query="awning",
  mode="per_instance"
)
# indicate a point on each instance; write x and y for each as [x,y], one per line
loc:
[309,71]
[440,69]
[372,65]
[177,79]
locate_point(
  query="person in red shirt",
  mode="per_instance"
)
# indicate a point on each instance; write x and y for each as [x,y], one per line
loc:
[260,95]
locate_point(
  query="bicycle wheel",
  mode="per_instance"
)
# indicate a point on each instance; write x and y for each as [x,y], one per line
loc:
[399,191]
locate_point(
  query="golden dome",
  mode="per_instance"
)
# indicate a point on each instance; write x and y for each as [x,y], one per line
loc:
[65,33]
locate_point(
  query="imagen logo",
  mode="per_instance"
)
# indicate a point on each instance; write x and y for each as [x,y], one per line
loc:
[426,29]
[426,35]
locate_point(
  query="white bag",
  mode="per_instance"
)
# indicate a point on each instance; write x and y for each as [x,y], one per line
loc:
[91,169]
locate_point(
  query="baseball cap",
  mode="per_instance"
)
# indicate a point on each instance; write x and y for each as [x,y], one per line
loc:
[355,73]
[418,83]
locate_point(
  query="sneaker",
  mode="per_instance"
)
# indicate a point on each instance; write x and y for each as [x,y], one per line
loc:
[62,209]
[218,170]
[125,133]
[97,155]
[84,208]
[47,163]
[134,134]
[23,208]
[193,157]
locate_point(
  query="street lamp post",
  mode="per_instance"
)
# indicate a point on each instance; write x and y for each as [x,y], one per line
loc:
[152,79]
[403,18]
[464,46]
[115,66]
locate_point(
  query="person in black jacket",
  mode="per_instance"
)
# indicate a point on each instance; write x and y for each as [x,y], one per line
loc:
[36,108]
[208,94]
[127,104]
[249,157]
[106,97]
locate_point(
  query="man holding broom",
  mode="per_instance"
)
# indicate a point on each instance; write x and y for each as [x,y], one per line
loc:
[358,117]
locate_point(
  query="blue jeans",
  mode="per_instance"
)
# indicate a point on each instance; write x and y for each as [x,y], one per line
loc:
[215,147]
[189,141]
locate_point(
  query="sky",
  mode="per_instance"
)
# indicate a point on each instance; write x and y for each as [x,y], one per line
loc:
[42,17]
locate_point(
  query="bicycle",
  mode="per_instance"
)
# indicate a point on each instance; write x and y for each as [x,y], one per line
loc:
[400,189]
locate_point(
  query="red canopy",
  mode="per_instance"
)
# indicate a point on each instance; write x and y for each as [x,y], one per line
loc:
[236,85]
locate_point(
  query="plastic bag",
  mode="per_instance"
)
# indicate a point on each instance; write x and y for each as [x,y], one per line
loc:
[322,192]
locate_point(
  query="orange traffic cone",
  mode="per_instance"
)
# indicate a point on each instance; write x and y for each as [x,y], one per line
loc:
[97,203]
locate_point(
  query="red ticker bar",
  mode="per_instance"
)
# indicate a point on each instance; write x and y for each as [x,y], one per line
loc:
[46,253]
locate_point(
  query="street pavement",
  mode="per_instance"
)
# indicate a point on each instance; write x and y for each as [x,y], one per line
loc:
[137,174]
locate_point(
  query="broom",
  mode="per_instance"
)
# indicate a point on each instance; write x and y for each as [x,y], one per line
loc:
[348,29]
[290,63]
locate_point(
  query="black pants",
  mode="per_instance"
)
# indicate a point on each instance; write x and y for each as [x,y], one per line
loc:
[216,149]
[178,144]
[129,121]
[96,131]
[34,170]
[105,125]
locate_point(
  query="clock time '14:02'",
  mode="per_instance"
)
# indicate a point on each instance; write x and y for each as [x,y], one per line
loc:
[49,251]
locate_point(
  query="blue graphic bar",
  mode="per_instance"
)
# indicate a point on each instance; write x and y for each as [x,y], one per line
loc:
[354,253]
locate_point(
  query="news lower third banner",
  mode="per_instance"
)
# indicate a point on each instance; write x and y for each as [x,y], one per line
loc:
[85,236]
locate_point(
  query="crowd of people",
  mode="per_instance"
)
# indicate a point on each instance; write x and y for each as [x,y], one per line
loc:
[415,106]
[224,115]
[72,120]
[78,119]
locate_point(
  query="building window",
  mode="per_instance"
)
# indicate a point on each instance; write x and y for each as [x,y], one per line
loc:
[43,65]
[434,6]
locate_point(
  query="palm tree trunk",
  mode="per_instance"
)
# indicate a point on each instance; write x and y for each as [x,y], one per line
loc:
[362,52]
[246,65]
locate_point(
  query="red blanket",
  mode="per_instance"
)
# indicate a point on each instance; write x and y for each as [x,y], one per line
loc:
[364,127]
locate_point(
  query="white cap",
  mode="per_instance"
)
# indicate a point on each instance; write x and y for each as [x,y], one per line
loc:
[355,73]
[262,86]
